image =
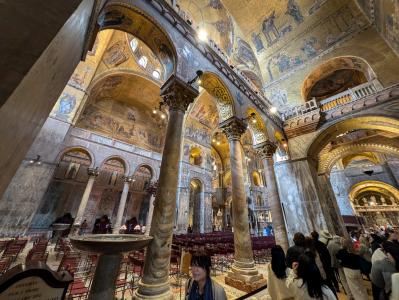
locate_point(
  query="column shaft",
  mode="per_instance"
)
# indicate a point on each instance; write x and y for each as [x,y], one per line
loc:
[149,216]
[155,281]
[85,198]
[243,256]
[122,204]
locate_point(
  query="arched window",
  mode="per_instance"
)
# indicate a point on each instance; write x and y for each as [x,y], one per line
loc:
[143,61]
[134,43]
[156,74]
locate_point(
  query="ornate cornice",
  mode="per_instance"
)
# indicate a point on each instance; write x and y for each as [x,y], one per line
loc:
[177,94]
[266,149]
[233,128]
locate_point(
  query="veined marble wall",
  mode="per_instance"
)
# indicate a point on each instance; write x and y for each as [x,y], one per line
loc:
[25,192]
[301,205]
[343,180]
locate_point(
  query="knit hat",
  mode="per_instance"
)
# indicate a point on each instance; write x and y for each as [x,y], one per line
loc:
[324,236]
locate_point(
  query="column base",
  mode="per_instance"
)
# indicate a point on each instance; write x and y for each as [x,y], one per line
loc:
[244,279]
[153,292]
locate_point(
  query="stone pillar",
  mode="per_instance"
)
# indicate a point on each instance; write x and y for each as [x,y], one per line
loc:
[388,170]
[149,215]
[122,204]
[329,206]
[93,173]
[266,151]
[155,281]
[202,212]
[243,274]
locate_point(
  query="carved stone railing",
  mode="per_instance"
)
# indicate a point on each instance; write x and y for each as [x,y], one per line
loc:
[348,96]
[299,110]
[305,118]
[375,208]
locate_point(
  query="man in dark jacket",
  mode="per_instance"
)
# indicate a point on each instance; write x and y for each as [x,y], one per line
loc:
[295,251]
[325,259]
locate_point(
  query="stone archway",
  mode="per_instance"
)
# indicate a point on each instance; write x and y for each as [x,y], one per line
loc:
[376,201]
[335,76]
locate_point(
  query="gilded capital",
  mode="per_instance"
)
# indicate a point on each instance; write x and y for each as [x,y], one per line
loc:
[233,128]
[177,94]
[266,149]
[93,172]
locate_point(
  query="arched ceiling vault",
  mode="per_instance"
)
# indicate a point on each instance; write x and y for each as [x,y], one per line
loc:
[327,161]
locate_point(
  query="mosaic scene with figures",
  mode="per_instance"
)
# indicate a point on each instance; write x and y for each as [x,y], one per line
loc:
[199,149]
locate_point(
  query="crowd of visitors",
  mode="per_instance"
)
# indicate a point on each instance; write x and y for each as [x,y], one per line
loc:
[314,266]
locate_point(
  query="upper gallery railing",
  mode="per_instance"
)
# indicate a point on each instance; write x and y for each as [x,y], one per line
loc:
[360,91]
[350,95]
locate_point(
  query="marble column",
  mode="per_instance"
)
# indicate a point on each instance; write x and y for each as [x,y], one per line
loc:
[266,151]
[122,204]
[155,281]
[329,206]
[149,215]
[243,274]
[93,173]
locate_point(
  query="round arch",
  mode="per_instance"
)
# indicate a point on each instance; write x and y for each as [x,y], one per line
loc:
[127,18]
[326,163]
[147,166]
[372,185]
[78,149]
[118,158]
[332,65]
[218,89]
[256,126]
[371,122]
[119,71]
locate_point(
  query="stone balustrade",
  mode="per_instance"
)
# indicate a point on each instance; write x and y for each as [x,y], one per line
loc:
[305,118]
[350,95]
[376,208]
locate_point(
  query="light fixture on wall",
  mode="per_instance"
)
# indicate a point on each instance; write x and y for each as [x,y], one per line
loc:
[273,109]
[36,161]
[216,139]
[198,75]
[202,35]
[251,118]
[158,110]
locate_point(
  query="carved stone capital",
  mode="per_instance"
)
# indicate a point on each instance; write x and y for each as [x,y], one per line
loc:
[233,128]
[93,172]
[177,94]
[266,149]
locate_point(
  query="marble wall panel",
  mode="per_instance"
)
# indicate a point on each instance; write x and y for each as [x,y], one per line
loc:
[22,197]
[299,198]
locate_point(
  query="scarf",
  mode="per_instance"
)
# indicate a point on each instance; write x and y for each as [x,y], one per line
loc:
[194,291]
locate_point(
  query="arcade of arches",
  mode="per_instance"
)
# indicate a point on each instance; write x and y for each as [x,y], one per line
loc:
[292,125]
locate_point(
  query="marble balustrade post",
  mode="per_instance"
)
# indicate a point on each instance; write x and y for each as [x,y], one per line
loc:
[122,204]
[155,281]
[149,215]
[266,151]
[93,173]
[243,268]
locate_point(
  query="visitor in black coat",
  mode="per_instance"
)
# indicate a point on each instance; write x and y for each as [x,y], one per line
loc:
[325,258]
[295,251]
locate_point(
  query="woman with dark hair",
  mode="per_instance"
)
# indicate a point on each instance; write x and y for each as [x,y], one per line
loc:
[201,286]
[277,273]
[305,281]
